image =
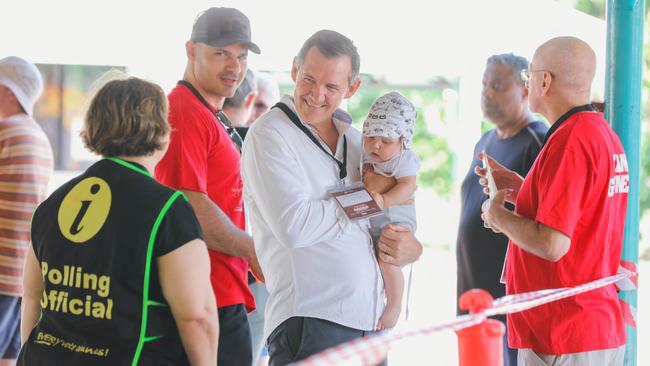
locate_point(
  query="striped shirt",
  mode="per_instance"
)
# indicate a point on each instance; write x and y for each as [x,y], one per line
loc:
[26,164]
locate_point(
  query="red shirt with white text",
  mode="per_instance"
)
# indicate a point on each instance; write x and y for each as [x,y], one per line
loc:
[578,185]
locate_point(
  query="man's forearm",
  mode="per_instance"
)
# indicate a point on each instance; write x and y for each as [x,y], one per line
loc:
[219,231]
[533,236]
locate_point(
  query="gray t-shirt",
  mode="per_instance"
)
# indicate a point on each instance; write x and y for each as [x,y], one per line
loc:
[404,164]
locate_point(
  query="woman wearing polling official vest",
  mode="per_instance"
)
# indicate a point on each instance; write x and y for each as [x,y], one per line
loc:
[118,273]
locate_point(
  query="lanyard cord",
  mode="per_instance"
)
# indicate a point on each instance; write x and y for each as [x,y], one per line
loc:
[343,172]
[221,117]
[565,116]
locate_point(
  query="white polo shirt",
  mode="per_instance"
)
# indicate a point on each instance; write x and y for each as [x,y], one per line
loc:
[316,262]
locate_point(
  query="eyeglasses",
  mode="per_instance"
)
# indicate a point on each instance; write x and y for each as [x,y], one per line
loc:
[525,74]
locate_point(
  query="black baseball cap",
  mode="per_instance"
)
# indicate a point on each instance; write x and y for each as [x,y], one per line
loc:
[221,27]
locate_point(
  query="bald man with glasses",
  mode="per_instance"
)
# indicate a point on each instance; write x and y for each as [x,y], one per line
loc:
[567,227]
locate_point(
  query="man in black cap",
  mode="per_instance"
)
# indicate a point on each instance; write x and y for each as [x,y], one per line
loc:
[203,161]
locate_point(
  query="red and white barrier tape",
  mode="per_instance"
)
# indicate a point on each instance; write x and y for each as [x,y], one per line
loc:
[628,284]
[372,350]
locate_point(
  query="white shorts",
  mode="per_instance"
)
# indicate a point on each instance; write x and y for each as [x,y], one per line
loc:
[606,357]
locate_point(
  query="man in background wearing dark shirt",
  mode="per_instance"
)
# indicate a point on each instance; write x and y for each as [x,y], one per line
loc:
[514,142]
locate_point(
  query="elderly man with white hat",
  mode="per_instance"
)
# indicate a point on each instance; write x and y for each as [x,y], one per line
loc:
[25,169]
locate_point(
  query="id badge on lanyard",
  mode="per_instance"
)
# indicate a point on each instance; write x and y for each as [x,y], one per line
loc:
[355,200]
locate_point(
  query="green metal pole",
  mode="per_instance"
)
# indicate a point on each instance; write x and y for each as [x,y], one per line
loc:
[623,111]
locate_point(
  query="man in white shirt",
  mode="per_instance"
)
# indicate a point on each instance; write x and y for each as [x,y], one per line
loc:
[320,268]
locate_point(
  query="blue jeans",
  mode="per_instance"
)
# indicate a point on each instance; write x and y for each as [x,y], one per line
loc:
[256,318]
[9,326]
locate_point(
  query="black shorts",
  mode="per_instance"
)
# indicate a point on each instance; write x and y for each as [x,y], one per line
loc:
[300,337]
[235,347]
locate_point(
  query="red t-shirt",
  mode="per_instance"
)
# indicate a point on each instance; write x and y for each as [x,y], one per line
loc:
[202,158]
[578,185]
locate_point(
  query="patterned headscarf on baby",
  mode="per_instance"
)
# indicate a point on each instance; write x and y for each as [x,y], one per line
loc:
[391,116]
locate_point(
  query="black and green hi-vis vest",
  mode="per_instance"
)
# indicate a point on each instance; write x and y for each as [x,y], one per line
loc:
[102,303]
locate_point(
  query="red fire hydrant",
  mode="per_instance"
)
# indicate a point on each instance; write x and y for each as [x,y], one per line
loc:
[482,344]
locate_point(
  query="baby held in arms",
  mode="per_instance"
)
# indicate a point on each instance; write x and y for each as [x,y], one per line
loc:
[387,138]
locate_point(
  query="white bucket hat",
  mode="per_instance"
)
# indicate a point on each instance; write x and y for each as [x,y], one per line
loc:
[391,116]
[23,79]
